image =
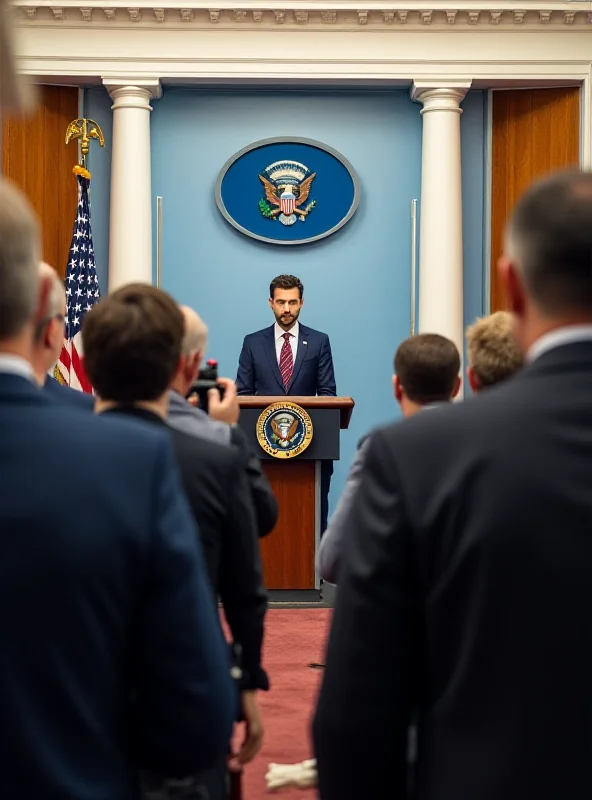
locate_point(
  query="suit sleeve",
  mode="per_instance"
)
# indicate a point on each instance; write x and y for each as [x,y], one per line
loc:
[241,580]
[245,377]
[332,542]
[185,702]
[326,375]
[264,501]
[361,723]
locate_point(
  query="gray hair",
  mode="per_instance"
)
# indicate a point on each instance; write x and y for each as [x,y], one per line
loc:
[20,251]
[549,237]
[195,339]
[57,294]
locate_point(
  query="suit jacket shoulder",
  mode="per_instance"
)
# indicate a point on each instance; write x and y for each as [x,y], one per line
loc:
[65,394]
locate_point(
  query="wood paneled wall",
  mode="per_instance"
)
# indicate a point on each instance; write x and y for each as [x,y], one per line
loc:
[36,158]
[534,132]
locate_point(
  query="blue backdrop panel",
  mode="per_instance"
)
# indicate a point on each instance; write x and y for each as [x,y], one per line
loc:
[357,282]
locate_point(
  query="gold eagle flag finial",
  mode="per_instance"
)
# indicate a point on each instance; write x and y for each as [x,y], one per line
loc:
[85,130]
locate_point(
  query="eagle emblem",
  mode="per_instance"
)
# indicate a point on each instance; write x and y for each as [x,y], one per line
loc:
[287,186]
[284,430]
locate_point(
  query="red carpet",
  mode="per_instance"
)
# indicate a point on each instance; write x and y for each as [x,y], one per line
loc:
[294,638]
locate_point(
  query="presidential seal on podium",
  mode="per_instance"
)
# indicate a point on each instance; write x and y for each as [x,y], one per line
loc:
[284,430]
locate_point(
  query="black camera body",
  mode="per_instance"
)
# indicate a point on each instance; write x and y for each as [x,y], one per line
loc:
[206,380]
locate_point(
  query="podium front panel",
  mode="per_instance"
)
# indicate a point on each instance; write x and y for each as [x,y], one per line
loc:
[325,437]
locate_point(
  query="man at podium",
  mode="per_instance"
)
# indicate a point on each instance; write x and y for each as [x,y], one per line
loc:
[289,359]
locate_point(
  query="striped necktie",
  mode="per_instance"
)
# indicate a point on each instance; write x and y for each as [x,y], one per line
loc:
[286,360]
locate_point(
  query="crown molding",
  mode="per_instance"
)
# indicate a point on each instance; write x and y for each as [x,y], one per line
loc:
[302,14]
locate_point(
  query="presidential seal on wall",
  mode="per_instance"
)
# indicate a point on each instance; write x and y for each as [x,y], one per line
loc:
[287,191]
[284,430]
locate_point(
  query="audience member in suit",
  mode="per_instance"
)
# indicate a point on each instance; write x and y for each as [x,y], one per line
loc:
[427,370]
[494,355]
[49,338]
[133,345]
[466,587]
[219,424]
[111,654]
[289,359]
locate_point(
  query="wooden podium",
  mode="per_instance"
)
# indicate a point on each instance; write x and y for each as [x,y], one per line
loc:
[288,553]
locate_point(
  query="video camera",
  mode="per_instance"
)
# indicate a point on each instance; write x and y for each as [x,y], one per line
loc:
[206,380]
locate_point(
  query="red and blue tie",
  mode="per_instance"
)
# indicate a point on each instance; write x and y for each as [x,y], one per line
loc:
[286,361]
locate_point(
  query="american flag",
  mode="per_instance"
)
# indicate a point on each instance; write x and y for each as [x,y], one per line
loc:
[82,292]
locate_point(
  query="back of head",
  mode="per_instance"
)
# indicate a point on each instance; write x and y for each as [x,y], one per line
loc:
[427,366]
[549,238]
[20,252]
[196,332]
[132,344]
[494,355]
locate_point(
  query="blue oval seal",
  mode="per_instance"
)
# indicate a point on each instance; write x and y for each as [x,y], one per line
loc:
[287,191]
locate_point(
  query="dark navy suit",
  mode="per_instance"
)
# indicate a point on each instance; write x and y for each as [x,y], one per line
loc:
[111,654]
[259,373]
[65,394]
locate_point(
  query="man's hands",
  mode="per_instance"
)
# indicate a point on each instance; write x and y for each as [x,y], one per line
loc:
[228,409]
[253,732]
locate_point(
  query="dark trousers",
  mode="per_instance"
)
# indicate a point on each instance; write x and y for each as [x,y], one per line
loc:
[212,784]
[326,472]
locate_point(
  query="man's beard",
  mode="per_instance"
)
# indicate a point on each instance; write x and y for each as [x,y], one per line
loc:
[286,321]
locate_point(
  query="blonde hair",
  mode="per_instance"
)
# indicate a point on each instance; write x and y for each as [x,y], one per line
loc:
[492,348]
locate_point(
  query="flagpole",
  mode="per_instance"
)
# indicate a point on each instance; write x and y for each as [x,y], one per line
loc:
[81,282]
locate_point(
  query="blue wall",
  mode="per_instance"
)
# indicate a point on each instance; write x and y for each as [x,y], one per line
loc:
[357,282]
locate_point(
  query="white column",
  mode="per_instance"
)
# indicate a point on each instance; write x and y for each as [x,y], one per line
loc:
[130,232]
[440,206]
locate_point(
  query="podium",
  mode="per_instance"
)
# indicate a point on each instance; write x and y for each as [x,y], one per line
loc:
[288,553]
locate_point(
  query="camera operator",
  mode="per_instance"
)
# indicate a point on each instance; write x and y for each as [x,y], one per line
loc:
[219,423]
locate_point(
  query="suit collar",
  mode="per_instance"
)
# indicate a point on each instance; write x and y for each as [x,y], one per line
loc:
[139,413]
[570,334]
[15,365]
[302,329]
[272,358]
[576,355]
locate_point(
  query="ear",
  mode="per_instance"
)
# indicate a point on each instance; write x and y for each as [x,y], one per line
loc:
[271,302]
[398,389]
[180,370]
[456,389]
[513,286]
[474,382]
[45,287]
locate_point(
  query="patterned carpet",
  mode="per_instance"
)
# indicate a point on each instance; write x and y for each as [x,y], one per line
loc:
[294,638]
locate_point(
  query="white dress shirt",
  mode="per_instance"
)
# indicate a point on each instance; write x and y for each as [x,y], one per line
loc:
[15,365]
[557,338]
[279,340]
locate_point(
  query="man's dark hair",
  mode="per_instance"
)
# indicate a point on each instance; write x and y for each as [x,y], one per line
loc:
[427,366]
[132,344]
[550,237]
[286,282]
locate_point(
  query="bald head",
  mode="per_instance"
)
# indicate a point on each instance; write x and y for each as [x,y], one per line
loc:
[196,333]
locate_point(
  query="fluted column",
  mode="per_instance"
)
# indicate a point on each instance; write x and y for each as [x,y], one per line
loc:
[130,233]
[440,205]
